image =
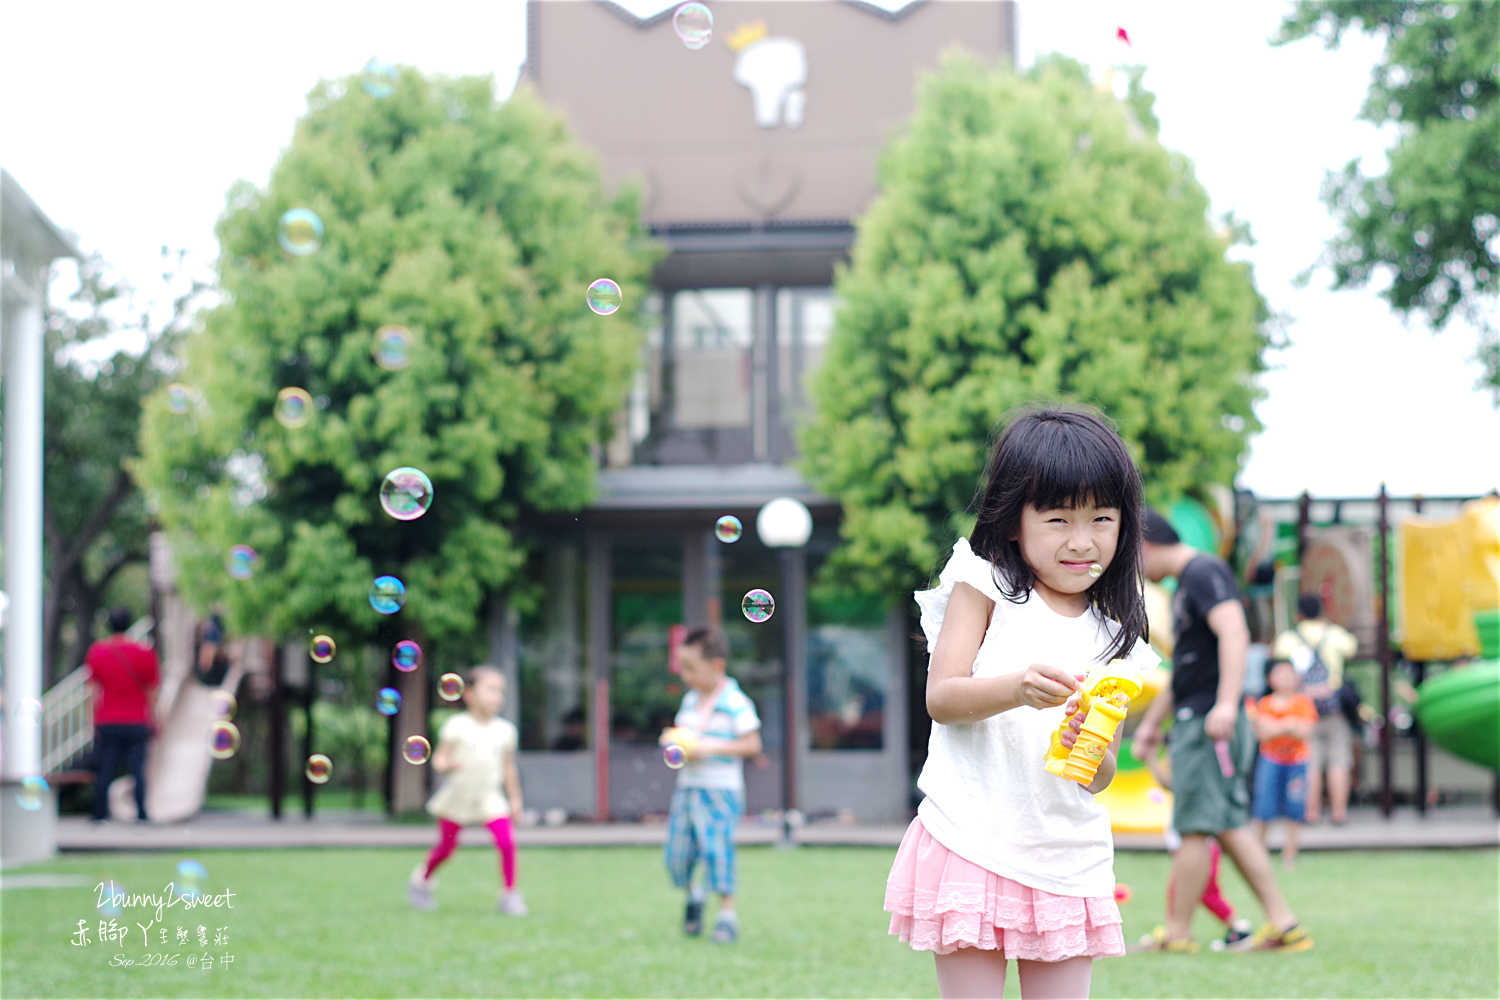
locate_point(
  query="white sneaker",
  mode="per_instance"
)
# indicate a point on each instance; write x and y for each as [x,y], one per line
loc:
[513,904]
[419,889]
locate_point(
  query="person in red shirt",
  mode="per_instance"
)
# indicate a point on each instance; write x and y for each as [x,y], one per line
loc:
[125,677]
[1284,720]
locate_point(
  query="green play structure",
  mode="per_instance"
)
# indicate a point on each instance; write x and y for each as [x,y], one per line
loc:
[1460,712]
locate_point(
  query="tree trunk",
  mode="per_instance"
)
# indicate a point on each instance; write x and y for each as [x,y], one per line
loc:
[408,782]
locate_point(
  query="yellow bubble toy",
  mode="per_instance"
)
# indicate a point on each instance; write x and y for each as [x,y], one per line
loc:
[1105,696]
[681,736]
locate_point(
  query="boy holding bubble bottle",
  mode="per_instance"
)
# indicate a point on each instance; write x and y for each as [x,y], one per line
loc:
[714,731]
[477,752]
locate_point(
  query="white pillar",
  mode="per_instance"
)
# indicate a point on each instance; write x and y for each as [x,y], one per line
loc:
[23,530]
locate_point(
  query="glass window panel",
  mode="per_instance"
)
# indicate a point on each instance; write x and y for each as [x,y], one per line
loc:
[754,648]
[804,322]
[645,389]
[646,601]
[848,661]
[846,677]
[554,695]
[712,335]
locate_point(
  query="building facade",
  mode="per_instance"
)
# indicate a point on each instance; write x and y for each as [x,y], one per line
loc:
[755,154]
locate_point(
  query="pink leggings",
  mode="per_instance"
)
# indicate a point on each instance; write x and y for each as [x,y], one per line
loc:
[505,843]
[1213,899]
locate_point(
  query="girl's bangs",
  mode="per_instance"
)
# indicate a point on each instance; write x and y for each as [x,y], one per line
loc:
[1073,475]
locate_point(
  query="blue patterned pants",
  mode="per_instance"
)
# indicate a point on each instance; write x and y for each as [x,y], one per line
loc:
[702,828]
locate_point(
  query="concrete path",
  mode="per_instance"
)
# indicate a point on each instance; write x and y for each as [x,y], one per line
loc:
[1451,826]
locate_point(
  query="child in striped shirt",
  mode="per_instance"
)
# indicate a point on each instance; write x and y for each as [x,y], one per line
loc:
[722,729]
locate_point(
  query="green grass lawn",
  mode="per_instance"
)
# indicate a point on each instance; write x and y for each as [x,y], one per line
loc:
[604,923]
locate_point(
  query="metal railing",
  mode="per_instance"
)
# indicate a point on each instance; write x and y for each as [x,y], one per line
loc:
[68,712]
[67,721]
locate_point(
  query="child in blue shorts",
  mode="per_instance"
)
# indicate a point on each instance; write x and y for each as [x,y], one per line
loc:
[1284,720]
[722,729]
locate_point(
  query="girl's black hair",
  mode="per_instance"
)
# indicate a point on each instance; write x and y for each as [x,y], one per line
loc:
[1064,456]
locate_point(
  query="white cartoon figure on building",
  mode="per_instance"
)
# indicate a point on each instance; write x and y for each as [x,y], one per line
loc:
[775,71]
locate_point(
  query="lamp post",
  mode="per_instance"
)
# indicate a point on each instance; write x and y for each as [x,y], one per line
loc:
[786,524]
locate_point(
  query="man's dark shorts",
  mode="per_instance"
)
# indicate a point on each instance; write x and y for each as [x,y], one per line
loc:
[1203,799]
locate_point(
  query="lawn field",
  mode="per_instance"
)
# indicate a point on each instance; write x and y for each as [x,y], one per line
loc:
[605,923]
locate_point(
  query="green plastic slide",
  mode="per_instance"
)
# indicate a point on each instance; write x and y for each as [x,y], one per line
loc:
[1460,712]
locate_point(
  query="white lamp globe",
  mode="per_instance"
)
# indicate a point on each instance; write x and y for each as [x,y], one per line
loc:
[784,523]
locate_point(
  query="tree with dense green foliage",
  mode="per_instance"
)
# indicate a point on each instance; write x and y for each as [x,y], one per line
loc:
[1032,240]
[1431,222]
[94,519]
[475,225]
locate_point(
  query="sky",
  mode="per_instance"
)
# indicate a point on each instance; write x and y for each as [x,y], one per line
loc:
[138,117]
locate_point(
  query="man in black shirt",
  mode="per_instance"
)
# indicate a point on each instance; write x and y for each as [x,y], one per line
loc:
[1212,746]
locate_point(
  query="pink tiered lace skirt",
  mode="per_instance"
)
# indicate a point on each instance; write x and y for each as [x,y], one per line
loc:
[940,902]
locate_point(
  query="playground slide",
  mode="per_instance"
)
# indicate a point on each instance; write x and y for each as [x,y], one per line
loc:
[1460,711]
[1134,800]
[178,763]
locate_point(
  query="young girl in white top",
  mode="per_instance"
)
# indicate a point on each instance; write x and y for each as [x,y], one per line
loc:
[1005,860]
[476,753]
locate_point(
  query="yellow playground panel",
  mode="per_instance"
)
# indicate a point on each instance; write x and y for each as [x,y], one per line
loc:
[1449,570]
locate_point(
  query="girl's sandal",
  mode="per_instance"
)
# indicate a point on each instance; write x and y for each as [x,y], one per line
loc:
[1157,941]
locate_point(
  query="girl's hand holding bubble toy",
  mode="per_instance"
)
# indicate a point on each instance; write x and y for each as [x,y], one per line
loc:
[1103,701]
[680,736]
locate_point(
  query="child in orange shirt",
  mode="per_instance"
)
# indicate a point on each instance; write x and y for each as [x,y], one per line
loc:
[1284,720]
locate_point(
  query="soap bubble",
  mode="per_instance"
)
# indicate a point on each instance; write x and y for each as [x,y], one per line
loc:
[323,648]
[29,712]
[241,562]
[319,769]
[758,606]
[406,493]
[673,756]
[604,297]
[392,347]
[224,704]
[387,595]
[1122,892]
[694,24]
[178,397]
[301,232]
[1156,796]
[293,406]
[416,749]
[1095,570]
[32,793]
[728,528]
[111,898]
[450,687]
[189,875]
[388,701]
[407,656]
[223,740]
[378,78]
